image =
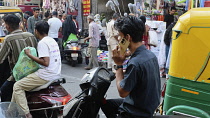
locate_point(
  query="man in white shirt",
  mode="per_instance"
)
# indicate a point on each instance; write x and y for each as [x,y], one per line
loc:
[55,26]
[50,66]
[112,40]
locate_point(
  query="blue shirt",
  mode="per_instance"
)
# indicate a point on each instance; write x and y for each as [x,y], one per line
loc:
[142,80]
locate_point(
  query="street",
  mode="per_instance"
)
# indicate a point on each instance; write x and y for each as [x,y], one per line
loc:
[73,75]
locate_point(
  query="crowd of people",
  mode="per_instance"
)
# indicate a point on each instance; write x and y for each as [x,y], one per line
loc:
[139,85]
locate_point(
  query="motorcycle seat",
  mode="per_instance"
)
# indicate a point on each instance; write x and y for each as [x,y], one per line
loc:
[56,81]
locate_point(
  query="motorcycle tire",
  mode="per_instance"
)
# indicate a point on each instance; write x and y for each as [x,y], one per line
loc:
[80,59]
[87,60]
[73,63]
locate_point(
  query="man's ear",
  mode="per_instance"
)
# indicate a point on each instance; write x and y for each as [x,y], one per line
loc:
[128,37]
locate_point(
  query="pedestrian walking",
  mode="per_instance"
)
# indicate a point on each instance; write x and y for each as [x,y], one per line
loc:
[55,26]
[112,40]
[33,20]
[94,37]
[169,18]
[68,28]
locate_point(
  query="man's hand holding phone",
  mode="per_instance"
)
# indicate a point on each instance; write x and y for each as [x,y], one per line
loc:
[119,54]
[117,57]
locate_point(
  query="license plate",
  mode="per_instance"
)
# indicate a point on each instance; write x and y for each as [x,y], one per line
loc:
[74,55]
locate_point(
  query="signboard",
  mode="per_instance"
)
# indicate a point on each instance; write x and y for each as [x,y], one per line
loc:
[32,2]
[27,7]
[86,7]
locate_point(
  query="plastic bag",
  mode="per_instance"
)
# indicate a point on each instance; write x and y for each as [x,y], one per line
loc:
[25,65]
[153,39]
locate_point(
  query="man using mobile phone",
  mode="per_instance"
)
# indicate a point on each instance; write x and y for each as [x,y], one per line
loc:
[140,84]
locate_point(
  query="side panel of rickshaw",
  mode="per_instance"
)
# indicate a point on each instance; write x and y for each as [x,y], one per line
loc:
[187,92]
[189,82]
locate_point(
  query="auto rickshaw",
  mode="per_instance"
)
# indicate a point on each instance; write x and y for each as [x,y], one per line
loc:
[188,89]
[4,10]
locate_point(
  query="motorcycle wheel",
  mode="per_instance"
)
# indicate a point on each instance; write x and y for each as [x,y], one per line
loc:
[87,60]
[80,59]
[73,63]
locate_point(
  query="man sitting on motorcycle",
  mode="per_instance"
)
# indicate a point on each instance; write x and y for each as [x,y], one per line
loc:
[140,85]
[50,66]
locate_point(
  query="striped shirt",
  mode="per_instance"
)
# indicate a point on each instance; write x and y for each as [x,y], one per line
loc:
[13,44]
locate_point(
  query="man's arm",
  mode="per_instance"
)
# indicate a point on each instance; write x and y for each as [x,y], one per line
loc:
[114,33]
[90,32]
[118,59]
[60,30]
[29,25]
[42,61]
[119,78]
[4,51]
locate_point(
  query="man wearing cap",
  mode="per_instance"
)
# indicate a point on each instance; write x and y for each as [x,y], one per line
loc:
[33,20]
[55,26]
[94,37]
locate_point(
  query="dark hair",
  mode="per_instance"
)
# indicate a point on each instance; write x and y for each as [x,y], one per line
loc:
[42,27]
[115,15]
[27,12]
[74,17]
[143,18]
[131,25]
[68,27]
[55,13]
[26,16]
[173,8]
[46,14]
[12,20]
[36,9]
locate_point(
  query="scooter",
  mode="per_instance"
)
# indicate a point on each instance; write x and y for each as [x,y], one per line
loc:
[87,103]
[94,86]
[72,53]
[48,100]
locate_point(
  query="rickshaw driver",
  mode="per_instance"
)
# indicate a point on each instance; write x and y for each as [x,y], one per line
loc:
[140,85]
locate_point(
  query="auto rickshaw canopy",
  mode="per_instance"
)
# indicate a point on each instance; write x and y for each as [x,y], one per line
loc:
[5,9]
[191,46]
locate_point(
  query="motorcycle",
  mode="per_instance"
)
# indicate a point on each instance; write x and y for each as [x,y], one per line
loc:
[48,100]
[72,53]
[94,86]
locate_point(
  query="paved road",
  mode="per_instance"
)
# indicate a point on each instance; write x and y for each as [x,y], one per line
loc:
[73,76]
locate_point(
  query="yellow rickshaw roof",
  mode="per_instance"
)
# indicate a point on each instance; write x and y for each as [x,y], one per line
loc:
[196,17]
[4,9]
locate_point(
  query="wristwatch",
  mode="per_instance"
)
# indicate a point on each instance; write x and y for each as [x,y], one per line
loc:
[116,67]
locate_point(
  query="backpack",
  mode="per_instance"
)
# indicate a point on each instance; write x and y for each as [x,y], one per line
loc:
[25,65]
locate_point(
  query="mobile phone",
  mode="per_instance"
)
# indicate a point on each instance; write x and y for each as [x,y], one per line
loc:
[123,45]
